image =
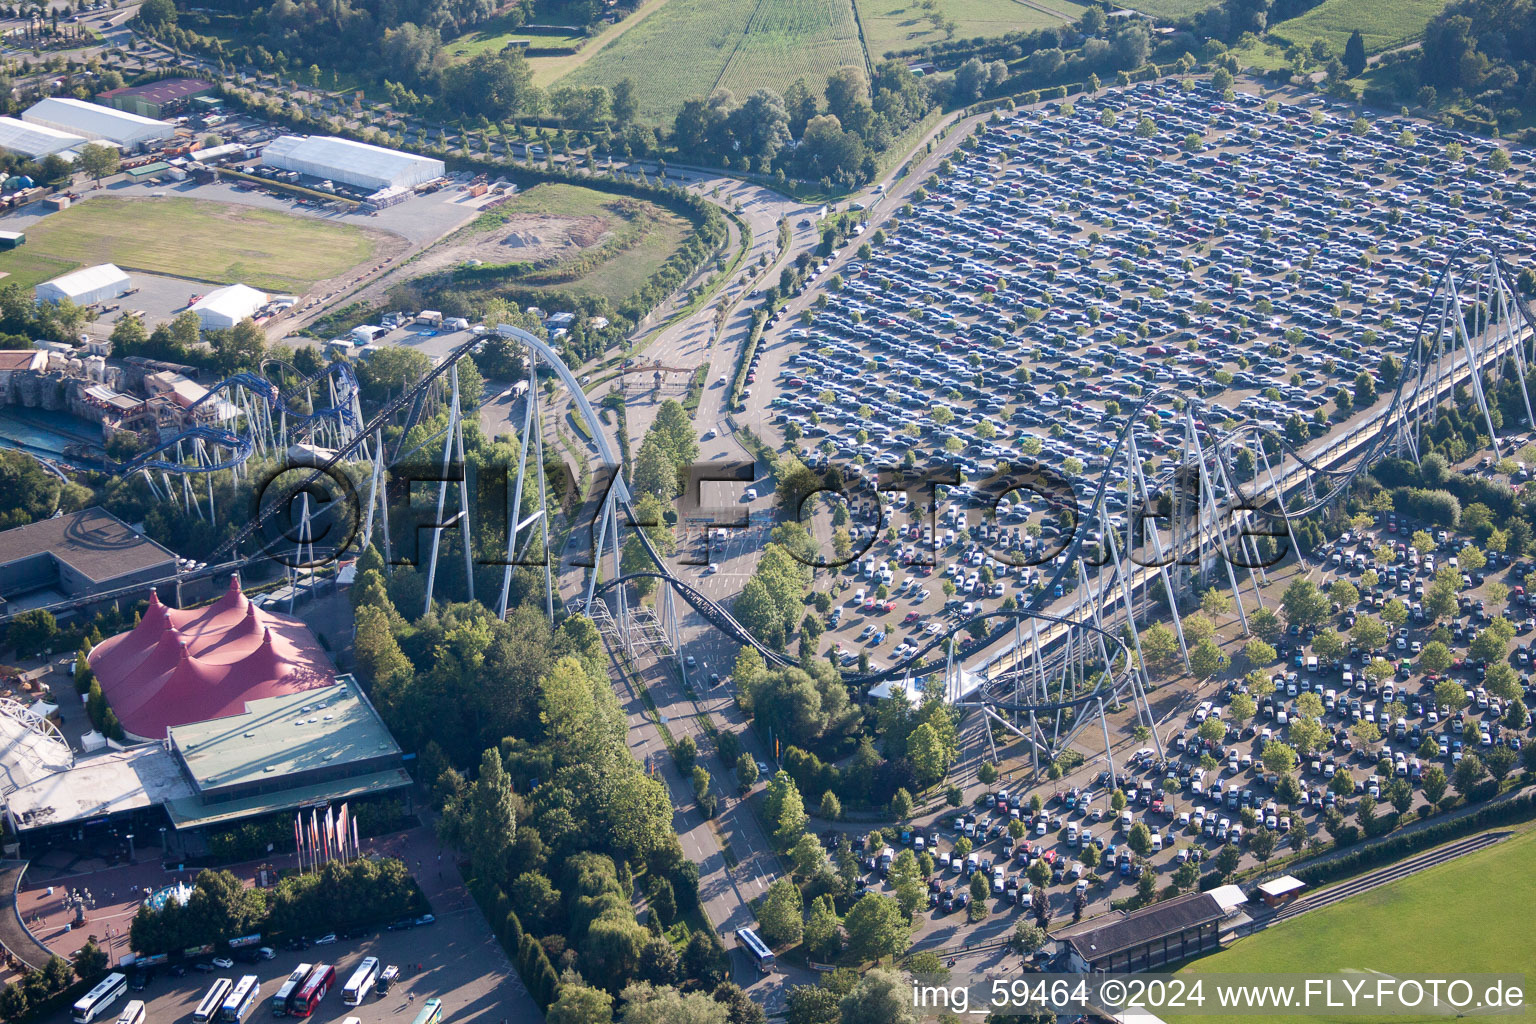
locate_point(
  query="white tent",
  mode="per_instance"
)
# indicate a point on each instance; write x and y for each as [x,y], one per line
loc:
[34,140]
[225,307]
[352,163]
[93,121]
[83,287]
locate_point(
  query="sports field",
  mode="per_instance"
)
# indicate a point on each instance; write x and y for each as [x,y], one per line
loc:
[1460,917]
[214,242]
[1383,24]
[688,48]
[894,25]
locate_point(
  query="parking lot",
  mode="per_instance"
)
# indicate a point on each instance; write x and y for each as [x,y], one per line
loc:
[1073,260]
[1068,264]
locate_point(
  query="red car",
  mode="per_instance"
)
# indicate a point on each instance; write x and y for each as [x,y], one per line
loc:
[911,618]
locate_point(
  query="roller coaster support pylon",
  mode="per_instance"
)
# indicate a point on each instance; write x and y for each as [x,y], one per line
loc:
[453,445]
[532,438]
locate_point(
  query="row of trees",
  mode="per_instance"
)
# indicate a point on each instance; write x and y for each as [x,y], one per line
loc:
[339,896]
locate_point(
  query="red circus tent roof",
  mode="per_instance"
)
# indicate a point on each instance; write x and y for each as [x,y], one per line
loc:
[182,666]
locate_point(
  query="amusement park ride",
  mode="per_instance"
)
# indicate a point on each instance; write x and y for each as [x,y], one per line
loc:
[1064,662]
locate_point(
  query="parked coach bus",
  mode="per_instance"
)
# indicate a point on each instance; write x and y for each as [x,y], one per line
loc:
[358,986]
[242,1000]
[213,1002]
[303,1002]
[280,999]
[106,992]
[133,1013]
[432,1013]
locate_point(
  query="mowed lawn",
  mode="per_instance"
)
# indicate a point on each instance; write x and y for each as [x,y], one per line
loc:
[494,36]
[685,48]
[894,25]
[214,242]
[1169,10]
[1382,23]
[1464,917]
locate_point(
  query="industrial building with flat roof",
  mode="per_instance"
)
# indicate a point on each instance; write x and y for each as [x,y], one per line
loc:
[94,121]
[85,286]
[75,555]
[157,99]
[35,141]
[352,163]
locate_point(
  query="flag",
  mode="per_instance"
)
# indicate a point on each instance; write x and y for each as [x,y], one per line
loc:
[298,842]
[355,845]
[314,833]
[341,832]
[330,832]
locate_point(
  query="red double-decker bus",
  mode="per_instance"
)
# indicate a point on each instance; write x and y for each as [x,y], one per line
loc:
[303,1002]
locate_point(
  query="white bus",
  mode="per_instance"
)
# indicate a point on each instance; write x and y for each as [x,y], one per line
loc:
[280,997]
[756,948]
[213,1002]
[133,1013]
[241,999]
[106,992]
[361,982]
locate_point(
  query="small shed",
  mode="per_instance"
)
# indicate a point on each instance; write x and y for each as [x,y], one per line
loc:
[11,239]
[1280,891]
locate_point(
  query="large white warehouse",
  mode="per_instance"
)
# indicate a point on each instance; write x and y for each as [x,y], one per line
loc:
[93,121]
[83,287]
[352,163]
[223,308]
[34,140]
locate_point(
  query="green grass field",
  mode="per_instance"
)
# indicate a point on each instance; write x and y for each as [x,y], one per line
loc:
[1461,917]
[495,34]
[1382,23]
[893,25]
[685,48]
[213,242]
[1169,10]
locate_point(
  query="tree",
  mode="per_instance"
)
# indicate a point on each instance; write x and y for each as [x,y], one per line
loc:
[784,810]
[98,161]
[1449,694]
[90,962]
[1029,938]
[1228,858]
[1279,758]
[579,1003]
[1370,633]
[1354,54]
[781,915]
[746,771]
[1206,659]
[31,632]
[1467,774]
[1303,604]
[1139,839]
[1434,784]
[901,805]
[1262,842]
[876,927]
[1498,160]
[928,754]
[1435,657]
[1257,652]
[880,997]
[485,819]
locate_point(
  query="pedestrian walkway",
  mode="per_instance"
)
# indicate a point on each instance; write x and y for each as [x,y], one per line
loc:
[14,936]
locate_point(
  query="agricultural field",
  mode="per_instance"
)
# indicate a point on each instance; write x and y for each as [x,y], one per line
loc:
[1473,930]
[202,241]
[688,48]
[894,25]
[1382,23]
[568,238]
